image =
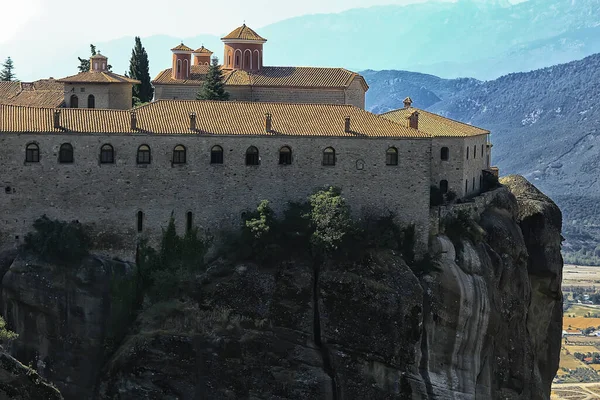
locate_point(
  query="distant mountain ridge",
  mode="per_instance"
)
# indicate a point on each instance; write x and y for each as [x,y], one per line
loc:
[481,39]
[545,125]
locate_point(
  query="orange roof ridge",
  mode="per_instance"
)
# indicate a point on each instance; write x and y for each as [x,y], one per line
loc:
[244,33]
[181,47]
[203,50]
[95,77]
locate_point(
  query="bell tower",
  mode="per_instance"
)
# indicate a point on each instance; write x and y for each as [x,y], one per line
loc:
[243,50]
[182,61]
[202,56]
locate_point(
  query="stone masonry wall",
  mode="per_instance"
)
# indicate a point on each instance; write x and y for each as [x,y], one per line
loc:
[109,196]
[354,95]
[82,91]
[475,164]
[120,96]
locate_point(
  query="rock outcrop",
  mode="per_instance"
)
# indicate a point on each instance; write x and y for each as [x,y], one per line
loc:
[18,382]
[482,322]
[69,318]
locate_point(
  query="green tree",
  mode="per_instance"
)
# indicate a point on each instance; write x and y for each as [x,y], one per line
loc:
[5,334]
[139,68]
[7,73]
[330,220]
[84,63]
[213,87]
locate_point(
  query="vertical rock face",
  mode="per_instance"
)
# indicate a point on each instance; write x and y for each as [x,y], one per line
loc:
[484,324]
[67,317]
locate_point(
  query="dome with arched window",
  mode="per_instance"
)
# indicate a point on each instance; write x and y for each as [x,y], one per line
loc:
[243,49]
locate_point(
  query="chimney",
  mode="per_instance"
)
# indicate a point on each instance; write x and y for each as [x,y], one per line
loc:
[56,119]
[193,122]
[413,120]
[347,125]
[407,102]
[133,121]
[268,123]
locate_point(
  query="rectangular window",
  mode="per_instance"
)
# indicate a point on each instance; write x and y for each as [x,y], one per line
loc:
[216,157]
[179,157]
[32,155]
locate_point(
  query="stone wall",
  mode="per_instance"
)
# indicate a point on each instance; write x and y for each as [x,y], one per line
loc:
[354,94]
[458,170]
[106,96]
[109,196]
[120,96]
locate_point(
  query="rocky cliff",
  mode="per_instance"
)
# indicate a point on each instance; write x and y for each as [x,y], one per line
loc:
[480,318]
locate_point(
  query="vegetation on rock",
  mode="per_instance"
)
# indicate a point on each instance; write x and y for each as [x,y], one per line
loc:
[6,335]
[58,241]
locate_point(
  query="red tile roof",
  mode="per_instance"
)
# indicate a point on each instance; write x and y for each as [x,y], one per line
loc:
[244,33]
[212,117]
[98,77]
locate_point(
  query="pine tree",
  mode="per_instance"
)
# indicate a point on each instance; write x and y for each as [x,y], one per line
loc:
[213,87]
[139,68]
[84,63]
[7,73]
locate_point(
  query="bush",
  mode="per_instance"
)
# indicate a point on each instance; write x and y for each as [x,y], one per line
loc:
[459,226]
[58,241]
[490,182]
[171,270]
[330,221]
[5,334]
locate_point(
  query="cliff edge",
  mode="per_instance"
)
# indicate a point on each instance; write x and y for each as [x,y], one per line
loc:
[479,317]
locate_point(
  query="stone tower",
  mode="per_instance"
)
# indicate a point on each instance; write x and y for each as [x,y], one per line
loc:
[182,60]
[243,50]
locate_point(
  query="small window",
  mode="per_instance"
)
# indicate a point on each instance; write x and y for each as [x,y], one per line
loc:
[445,154]
[32,153]
[216,155]
[74,101]
[91,101]
[481,150]
[473,183]
[179,155]
[82,90]
[140,221]
[237,60]
[329,156]
[252,156]
[143,154]
[467,153]
[474,151]
[189,221]
[444,186]
[391,156]
[107,154]
[96,66]
[285,155]
[466,186]
[480,182]
[178,66]
[65,155]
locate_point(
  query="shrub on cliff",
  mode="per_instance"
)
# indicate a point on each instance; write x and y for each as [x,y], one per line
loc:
[58,241]
[5,334]
[172,268]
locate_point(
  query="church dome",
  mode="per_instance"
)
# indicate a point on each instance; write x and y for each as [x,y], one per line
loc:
[244,33]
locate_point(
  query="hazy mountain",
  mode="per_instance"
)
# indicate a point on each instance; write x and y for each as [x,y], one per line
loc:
[545,125]
[482,39]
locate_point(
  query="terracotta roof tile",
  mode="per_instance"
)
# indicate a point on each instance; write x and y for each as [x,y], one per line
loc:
[99,57]
[435,124]
[42,93]
[181,47]
[303,77]
[244,33]
[98,77]
[203,50]
[212,117]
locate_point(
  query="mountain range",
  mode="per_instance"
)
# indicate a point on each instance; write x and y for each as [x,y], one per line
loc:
[481,39]
[545,125]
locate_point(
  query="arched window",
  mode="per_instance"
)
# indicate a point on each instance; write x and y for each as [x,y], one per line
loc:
[65,154]
[329,156]
[247,59]
[179,154]
[445,154]
[74,101]
[238,58]
[32,153]
[391,156]
[444,186]
[143,154]
[252,156]
[186,68]
[216,155]
[189,221]
[140,221]
[285,155]
[178,67]
[467,153]
[91,101]
[256,59]
[107,154]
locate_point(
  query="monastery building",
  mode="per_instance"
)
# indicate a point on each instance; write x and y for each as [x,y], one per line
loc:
[122,171]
